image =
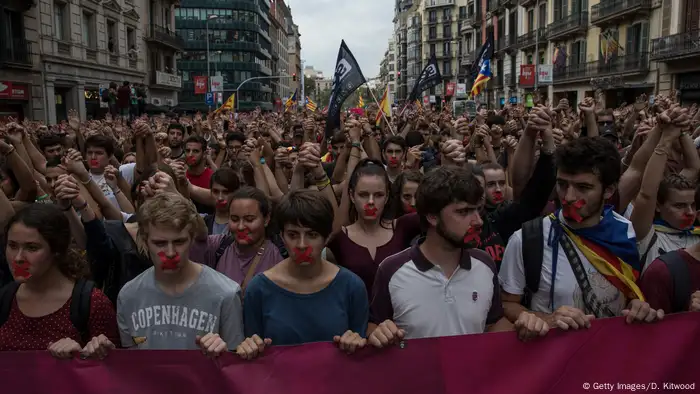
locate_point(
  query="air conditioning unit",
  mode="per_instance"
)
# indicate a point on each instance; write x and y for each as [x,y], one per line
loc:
[155,101]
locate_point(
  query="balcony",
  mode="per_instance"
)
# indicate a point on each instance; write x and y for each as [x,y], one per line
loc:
[15,53]
[497,81]
[571,25]
[612,11]
[165,36]
[443,55]
[628,65]
[474,20]
[676,47]
[527,3]
[438,3]
[438,38]
[508,3]
[165,80]
[510,43]
[431,21]
[531,38]
[494,6]
[467,59]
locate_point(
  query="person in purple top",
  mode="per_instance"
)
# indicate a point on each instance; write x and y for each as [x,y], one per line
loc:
[370,236]
[247,250]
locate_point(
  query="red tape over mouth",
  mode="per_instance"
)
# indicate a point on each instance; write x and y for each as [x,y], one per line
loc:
[243,236]
[473,236]
[409,208]
[94,163]
[20,269]
[191,160]
[688,221]
[570,210]
[393,161]
[169,263]
[370,210]
[497,196]
[221,203]
[303,255]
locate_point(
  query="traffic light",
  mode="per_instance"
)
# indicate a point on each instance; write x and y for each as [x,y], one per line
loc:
[398,75]
[294,77]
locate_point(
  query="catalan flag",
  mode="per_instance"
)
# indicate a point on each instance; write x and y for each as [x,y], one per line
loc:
[229,105]
[483,77]
[384,107]
[310,105]
[291,102]
[361,102]
[613,45]
[559,56]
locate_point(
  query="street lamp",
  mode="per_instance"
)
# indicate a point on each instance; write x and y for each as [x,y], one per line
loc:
[209,18]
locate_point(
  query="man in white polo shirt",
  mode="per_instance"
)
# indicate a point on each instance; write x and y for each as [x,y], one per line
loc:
[443,286]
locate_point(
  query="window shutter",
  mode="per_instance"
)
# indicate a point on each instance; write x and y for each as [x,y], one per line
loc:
[583,55]
[644,37]
[564,8]
[557,10]
[630,47]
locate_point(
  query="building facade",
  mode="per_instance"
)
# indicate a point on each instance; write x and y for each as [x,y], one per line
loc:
[387,70]
[86,45]
[163,46]
[21,92]
[279,15]
[294,57]
[676,50]
[236,33]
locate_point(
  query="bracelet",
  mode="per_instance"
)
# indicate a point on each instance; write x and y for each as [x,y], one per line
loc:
[322,184]
[42,198]
[117,191]
[356,145]
[262,160]
[11,151]
[86,182]
[660,151]
[356,156]
[82,207]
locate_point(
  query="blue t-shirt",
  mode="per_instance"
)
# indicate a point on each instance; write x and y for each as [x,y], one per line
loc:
[291,319]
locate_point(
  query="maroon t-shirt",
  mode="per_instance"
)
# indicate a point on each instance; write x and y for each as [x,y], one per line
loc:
[21,332]
[356,257]
[202,180]
[657,285]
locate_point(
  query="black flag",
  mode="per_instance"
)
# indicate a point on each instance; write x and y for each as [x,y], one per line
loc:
[428,78]
[485,53]
[347,78]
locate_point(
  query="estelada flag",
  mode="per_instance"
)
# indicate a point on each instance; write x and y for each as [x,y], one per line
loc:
[230,103]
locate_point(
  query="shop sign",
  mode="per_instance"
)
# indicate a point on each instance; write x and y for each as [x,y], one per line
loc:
[13,91]
[527,74]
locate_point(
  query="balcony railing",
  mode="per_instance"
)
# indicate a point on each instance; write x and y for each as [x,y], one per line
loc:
[166,36]
[438,3]
[510,41]
[474,19]
[569,25]
[498,81]
[634,63]
[432,21]
[677,46]
[531,38]
[160,78]
[608,11]
[526,3]
[492,5]
[15,52]
[500,44]
[508,3]
[467,59]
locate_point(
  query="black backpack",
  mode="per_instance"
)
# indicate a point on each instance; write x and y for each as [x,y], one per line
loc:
[532,250]
[226,241]
[105,96]
[680,280]
[79,305]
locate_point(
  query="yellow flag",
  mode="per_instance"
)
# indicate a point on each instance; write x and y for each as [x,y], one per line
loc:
[229,104]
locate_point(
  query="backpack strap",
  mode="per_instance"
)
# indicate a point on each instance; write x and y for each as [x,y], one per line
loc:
[80,308]
[680,280]
[7,295]
[643,259]
[532,250]
[226,241]
[209,221]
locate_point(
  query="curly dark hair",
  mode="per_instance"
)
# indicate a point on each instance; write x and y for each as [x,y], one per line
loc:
[444,186]
[595,155]
[53,226]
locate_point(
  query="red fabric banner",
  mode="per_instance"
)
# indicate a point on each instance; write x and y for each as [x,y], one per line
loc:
[527,74]
[611,352]
[200,85]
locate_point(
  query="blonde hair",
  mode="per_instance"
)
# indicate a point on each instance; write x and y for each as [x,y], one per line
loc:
[170,210]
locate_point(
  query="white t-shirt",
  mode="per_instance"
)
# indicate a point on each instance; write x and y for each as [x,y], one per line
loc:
[664,243]
[566,289]
[127,172]
[106,190]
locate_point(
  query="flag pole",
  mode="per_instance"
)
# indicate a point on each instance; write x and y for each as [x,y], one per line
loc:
[380,109]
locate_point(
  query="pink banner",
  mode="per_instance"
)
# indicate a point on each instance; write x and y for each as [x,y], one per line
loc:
[611,356]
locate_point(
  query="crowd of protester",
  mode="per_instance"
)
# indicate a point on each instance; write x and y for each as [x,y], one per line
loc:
[226,233]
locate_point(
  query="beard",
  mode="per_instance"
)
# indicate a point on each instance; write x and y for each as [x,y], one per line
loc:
[457,241]
[593,209]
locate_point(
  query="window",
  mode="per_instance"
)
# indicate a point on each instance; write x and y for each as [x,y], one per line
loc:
[112,42]
[59,18]
[446,48]
[462,12]
[432,32]
[432,49]
[131,38]
[542,17]
[447,14]
[531,20]
[446,67]
[529,59]
[447,31]
[89,30]
[432,16]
